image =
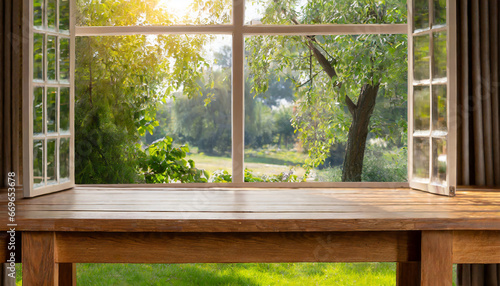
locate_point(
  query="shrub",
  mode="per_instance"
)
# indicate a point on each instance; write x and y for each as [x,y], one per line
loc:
[162,163]
[222,176]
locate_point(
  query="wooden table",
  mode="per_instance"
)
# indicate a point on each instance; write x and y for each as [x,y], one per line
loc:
[424,233]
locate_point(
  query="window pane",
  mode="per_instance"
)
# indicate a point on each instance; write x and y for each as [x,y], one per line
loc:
[51,162]
[421,57]
[51,57]
[440,56]
[439,158]
[38,13]
[439,12]
[439,108]
[64,109]
[38,46]
[153,12]
[38,110]
[421,14]
[163,92]
[51,109]
[64,59]
[421,157]
[297,121]
[63,15]
[51,14]
[421,108]
[324,12]
[38,163]
[64,159]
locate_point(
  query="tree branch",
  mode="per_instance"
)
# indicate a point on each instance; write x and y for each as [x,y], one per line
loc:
[309,80]
[350,105]
[322,60]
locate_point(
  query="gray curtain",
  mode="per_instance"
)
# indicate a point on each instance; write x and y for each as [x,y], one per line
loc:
[10,99]
[479,109]
[10,89]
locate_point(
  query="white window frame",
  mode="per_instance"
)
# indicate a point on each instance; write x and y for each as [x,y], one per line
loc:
[28,88]
[238,30]
[451,99]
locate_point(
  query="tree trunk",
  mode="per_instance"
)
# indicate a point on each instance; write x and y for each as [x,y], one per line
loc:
[358,132]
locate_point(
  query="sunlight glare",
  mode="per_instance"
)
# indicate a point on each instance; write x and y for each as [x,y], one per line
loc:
[176,7]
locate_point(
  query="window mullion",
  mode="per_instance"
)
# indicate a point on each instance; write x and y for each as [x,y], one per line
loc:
[238,100]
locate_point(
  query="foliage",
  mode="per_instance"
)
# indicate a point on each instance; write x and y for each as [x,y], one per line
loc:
[162,163]
[120,81]
[290,274]
[223,176]
[205,119]
[283,126]
[148,12]
[321,118]
[379,166]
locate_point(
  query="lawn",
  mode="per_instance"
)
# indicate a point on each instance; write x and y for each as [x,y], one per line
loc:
[270,162]
[236,274]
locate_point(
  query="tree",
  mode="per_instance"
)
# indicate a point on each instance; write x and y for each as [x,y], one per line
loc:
[121,79]
[337,78]
[204,120]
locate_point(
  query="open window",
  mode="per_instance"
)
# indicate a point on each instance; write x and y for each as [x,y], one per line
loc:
[48,97]
[432,92]
[49,78]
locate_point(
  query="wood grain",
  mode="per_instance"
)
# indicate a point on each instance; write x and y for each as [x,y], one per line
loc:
[237,247]
[156,209]
[4,243]
[408,274]
[3,247]
[39,259]
[67,274]
[437,258]
[476,247]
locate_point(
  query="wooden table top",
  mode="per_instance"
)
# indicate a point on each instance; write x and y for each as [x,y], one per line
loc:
[156,209]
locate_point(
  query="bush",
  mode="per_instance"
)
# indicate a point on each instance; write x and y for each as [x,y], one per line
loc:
[389,166]
[221,176]
[378,166]
[162,163]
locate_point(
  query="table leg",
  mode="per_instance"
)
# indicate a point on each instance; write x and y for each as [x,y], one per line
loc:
[39,259]
[67,274]
[437,258]
[408,274]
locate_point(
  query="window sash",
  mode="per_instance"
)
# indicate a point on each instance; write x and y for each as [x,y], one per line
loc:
[29,84]
[449,188]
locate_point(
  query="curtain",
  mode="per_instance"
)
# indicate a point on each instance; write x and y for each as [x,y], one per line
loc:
[10,100]
[10,90]
[478,109]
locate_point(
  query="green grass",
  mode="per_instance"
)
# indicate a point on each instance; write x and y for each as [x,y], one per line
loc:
[270,162]
[236,274]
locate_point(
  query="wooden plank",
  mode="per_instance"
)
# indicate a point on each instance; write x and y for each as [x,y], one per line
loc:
[251,210]
[272,185]
[164,207]
[437,258]
[5,252]
[480,247]
[39,259]
[236,247]
[67,274]
[408,274]
[3,247]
